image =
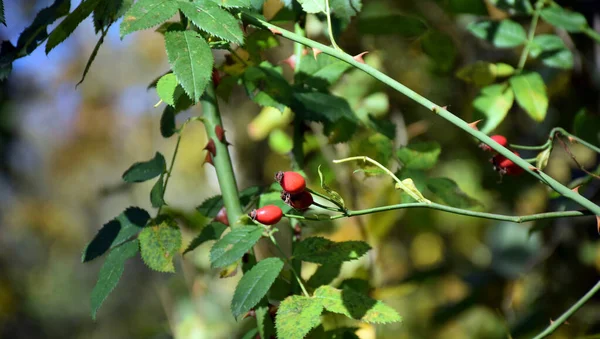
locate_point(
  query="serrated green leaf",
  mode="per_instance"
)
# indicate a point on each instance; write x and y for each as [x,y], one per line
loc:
[2,18]
[159,243]
[211,18]
[116,232]
[530,92]
[146,170]
[211,231]
[111,272]
[552,51]
[234,245]
[345,9]
[147,13]
[266,86]
[447,190]
[93,56]
[168,89]
[36,33]
[108,11]
[335,196]
[355,305]
[502,34]
[296,316]
[419,155]
[321,72]
[587,127]
[561,18]
[322,107]
[157,193]
[191,60]
[266,327]
[70,23]
[233,3]
[167,122]
[493,103]
[324,275]
[313,6]
[254,285]
[324,251]
[211,206]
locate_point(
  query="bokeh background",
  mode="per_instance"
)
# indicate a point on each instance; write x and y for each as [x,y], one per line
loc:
[64,148]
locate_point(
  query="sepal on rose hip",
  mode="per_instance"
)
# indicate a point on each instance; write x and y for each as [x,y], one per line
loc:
[300,201]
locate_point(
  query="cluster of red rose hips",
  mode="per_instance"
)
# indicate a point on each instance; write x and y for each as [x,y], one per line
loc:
[501,164]
[294,194]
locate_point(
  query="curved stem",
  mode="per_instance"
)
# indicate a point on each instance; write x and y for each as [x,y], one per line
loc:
[330,27]
[287,261]
[534,20]
[170,167]
[221,160]
[439,110]
[558,322]
[449,209]
[532,148]
[399,182]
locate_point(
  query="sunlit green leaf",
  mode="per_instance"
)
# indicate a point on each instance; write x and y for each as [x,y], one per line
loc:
[502,34]
[191,60]
[159,243]
[211,18]
[296,316]
[211,206]
[493,103]
[355,305]
[565,19]
[147,13]
[552,51]
[530,92]
[447,190]
[168,89]
[233,3]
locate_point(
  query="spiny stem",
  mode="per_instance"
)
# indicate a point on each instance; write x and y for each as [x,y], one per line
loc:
[330,27]
[534,20]
[449,209]
[388,172]
[436,109]
[221,160]
[558,322]
[287,261]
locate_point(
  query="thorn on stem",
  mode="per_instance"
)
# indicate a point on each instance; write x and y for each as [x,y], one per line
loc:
[473,124]
[211,148]
[290,61]
[316,52]
[275,31]
[208,159]
[359,57]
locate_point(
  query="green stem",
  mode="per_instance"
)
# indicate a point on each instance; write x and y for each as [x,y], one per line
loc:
[329,26]
[399,182]
[287,261]
[326,207]
[532,27]
[449,209]
[442,112]
[221,160]
[591,33]
[170,171]
[532,148]
[558,322]
[574,137]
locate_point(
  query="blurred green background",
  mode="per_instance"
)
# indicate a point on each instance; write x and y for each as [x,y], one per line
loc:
[64,149]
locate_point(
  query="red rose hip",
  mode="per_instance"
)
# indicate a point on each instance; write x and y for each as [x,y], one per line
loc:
[300,201]
[497,138]
[291,182]
[505,166]
[268,215]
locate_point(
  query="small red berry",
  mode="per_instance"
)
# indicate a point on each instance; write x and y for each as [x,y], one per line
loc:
[300,201]
[291,182]
[268,215]
[222,217]
[505,166]
[497,138]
